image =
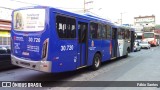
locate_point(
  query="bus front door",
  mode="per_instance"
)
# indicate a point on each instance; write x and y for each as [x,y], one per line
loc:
[82,44]
[132,40]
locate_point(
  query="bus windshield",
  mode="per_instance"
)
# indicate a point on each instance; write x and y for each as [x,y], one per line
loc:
[148,35]
[29,20]
[139,37]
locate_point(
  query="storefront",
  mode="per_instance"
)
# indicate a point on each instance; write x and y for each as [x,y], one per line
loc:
[5,27]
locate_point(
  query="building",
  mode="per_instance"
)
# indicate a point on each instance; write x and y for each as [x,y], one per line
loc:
[5,27]
[147,22]
[144,21]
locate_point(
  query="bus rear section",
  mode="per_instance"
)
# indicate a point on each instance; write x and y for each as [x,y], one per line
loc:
[46,41]
[151,37]
[124,41]
[30,39]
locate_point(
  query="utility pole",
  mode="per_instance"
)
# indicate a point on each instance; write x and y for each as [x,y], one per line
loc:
[121,16]
[84,8]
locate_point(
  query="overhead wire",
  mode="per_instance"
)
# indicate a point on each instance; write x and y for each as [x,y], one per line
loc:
[40,5]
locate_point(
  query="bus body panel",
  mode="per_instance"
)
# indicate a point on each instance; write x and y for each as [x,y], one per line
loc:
[63,52]
[124,45]
[106,50]
[121,47]
[94,46]
[64,60]
[55,54]
[29,48]
[29,45]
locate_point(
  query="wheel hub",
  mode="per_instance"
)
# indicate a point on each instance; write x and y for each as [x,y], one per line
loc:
[97,62]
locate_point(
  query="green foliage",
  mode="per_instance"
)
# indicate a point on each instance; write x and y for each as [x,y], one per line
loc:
[157,27]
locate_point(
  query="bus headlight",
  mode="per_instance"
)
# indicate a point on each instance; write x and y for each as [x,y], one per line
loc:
[45,49]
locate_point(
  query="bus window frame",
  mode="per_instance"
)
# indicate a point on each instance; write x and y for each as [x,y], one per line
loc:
[109,29]
[97,30]
[120,31]
[104,25]
[66,16]
[127,33]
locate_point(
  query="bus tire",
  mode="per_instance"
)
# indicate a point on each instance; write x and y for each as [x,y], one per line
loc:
[96,61]
[126,54]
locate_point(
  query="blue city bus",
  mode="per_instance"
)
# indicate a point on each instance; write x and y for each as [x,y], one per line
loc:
[53,40]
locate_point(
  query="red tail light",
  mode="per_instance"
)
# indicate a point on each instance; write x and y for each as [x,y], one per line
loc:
[45,48]
[110,48]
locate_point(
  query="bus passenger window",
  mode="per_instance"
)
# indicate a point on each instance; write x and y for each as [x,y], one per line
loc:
[99,32]
[94,31]
[66,27]
[104,32]
[120,34]
[123,33]
[127,34]
[73,31]
[108,29]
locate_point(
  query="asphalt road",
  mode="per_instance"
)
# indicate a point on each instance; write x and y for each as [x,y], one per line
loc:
[139,66]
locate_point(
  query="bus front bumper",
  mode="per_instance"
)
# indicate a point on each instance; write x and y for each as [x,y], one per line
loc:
[44,66]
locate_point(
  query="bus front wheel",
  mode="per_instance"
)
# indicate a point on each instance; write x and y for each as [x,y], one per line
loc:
[96,61]
[127,54]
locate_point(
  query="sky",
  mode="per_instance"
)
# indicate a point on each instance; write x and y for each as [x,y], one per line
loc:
[108,9]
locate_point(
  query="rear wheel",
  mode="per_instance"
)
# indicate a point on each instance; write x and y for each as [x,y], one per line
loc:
[96,61]
[140,49]
[127,54]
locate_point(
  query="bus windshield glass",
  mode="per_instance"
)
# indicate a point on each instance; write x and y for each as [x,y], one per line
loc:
[148,35]
[139,37]
[29,20]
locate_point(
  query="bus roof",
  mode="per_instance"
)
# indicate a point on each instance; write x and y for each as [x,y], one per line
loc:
[83,16]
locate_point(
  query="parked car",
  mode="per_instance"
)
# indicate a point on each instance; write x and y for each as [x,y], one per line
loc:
[5,57]
[138,40]
[145,44]
[136,47]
